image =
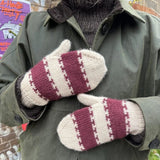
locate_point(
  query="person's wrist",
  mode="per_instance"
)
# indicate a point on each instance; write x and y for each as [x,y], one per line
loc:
[29,98]
[136,118]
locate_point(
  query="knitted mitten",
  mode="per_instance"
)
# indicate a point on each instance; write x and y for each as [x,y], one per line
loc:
[61,74]
[103,121]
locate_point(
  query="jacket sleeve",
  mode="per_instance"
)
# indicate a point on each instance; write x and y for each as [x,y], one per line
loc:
[150,107]
[149,86]
[15,62]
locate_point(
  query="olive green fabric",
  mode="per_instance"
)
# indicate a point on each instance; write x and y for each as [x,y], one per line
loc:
[130,44]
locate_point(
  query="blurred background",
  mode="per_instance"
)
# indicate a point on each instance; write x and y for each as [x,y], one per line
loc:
[151,6]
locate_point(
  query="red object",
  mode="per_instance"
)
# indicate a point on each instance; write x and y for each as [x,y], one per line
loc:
[24,126]
[117,118]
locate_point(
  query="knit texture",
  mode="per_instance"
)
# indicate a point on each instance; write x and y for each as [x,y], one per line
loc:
[88,13]
[103,121]
[61,74]
[32,113]
[85,4]
[90,17]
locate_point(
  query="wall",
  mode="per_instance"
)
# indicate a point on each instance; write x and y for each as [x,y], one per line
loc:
[9,142]
[150,6]
[39,5]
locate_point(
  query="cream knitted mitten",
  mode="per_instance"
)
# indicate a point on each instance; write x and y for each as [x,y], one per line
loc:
[61,74]
[103,121]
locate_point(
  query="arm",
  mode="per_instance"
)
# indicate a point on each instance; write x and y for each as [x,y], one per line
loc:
[147,95]
[15,62]
[59,74]
[104,120]
[150,107]
[141,129]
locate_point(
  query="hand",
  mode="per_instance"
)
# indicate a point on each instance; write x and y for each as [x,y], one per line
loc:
[103,121]
[62,74]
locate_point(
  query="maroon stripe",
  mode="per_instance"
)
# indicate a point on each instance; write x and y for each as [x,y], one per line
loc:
[117,118]
[72,68]
[85,128]
[42,83]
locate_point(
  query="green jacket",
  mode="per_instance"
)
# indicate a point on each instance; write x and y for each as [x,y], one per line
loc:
[130,44]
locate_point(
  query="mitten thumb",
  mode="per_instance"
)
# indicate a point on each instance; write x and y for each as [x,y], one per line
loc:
[88,99]
[64,47]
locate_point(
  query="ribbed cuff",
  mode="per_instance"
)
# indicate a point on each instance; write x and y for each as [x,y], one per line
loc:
[33,113]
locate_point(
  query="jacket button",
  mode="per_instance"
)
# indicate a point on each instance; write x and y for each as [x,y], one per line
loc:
[104,28]
[154,144]
[18,118]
